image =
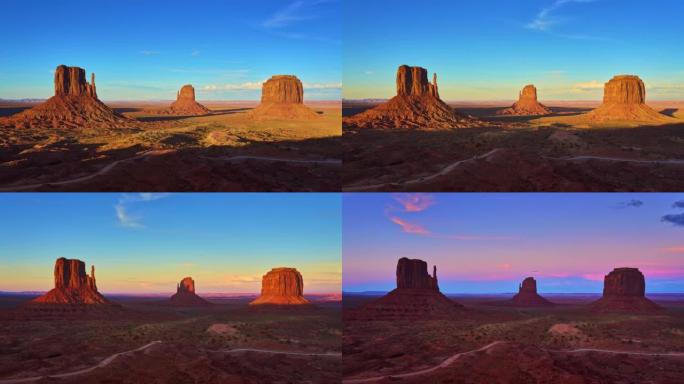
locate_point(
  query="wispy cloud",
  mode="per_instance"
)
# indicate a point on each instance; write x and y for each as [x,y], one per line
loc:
[294,12]
[414,202]
[412,228]
[630,204]
[547,17]
[678,204]
[150,53]
[195,53]
[676,219]
[124,217]
[673,249]
[588,86]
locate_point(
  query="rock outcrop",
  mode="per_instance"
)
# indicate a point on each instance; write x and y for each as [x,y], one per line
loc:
[624,290]
[282,97]
[185,104]
[527,295]
[72,285]
[185,295]
[624,99]
[417,296]
[281,286]
[416,105]
[74,105]
[527,104]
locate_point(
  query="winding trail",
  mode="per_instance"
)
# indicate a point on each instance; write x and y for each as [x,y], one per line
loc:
[276,352]
[455,357]
[109,167]
[103,363]
[445,170]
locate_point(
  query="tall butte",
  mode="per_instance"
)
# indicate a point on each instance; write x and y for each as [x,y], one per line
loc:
[624,290]
[527,295]
[282,97]
[185,104]
[281,286]
[416,105]
[624,99]
[74,105]
[417,296]
[527,104]
[72,285]
[185,295]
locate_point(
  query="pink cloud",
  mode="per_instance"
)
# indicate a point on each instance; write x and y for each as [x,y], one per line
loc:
[414,202]
[407,227]
[673,249]
[594,276]
[504,266]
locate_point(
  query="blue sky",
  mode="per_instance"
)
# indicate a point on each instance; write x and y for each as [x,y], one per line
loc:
[145,243]
[487,243]
[489,49]
[149,49]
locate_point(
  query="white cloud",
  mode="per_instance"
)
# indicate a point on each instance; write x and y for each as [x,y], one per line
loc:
[124,217]
[296,11]
[588,86]
[545,18]
[125,220]
[256,85]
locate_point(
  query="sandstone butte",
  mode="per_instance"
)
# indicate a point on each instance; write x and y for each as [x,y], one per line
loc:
[527,104]
[282,97]
[417,295]
[185,104]
[72,285]
[74,105]
[624,290]
[281,286]
[527,295]
[416,105]
[185,295]
[624,99]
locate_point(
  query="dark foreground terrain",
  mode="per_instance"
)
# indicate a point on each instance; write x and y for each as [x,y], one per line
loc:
[497,344]
[145,342]
[516,153]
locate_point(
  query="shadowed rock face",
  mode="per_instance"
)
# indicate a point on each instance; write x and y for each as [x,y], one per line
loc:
[281,286]
[527,295]
[72,285]
[624,290]
[282,97]
[412,273]
[72,81]
[185,295]
[416,105]
[527,104]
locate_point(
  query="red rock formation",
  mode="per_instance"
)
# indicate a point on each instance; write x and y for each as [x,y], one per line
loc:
[74,105]
[185,104]
[416,105]
[282,97]
[624,290]
[185,295]
[527,295]
[72,285]
[624,99]
[417,296]
[527,104]
[281,286]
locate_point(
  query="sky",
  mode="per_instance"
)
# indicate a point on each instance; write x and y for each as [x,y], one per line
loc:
[489,49]
[146,50]
[488,243]
[146,243]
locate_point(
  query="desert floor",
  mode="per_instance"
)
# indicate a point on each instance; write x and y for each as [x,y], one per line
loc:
[226,343]
[496,344]
[517,153]
[224,151]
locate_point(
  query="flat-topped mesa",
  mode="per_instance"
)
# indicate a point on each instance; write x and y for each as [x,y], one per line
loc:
[282,97]
[412,274]
[185,295]
[71,81]
[624,99]
[72,285]
[527,295]
[527,104]
[624,289]
[281,286]
[416,105]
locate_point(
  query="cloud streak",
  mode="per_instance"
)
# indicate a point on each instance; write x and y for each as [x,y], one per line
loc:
[414,202]
[124,217]
[546,18]
[293,13]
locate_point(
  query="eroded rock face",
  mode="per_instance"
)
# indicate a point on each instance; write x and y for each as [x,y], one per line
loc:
[527,104]
[625,89]
[282,97]
[185,104]
[412,273]
[527,295]
[185,295]
[624,289]
[72,285]
[416,105]
[74,105]
[281,286]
